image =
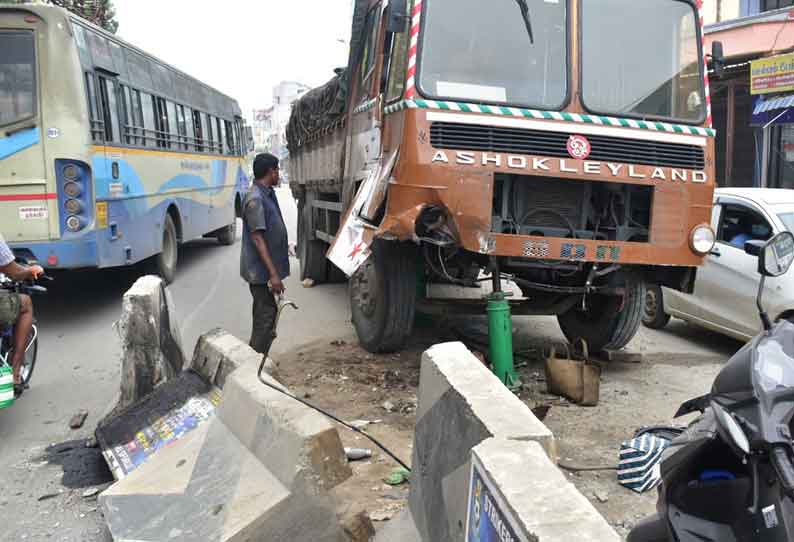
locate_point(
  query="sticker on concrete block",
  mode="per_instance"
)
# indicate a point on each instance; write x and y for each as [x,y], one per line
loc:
[160,433]
[488,519]
[33,212]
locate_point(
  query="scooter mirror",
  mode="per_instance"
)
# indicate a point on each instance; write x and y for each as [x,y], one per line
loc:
[777,255]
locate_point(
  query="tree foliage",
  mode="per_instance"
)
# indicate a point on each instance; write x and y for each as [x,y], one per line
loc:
[100,12]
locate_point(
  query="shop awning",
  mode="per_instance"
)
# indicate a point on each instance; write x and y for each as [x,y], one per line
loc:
[772,104]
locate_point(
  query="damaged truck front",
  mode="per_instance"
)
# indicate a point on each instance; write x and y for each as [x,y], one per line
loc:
[565,145]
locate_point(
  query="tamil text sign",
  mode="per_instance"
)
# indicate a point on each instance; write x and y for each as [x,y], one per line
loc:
[775,74]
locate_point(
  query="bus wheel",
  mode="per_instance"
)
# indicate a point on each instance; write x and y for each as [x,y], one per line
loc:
[165,262]
[610,322]
[228,235]
[383,297]
[311,253]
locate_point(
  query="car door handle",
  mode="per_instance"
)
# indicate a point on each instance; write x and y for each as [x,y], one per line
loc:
[715,252]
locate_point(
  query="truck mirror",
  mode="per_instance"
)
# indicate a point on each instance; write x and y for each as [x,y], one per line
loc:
[777,255]
[717,58]
[397,16]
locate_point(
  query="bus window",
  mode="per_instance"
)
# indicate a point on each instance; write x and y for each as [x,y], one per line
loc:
[219,134]
[97,125]
[133,117]
[199,131]
[161,122]
[174,130]
[206,121]
[224,142]
[181,126]
[229,138]
[110,108]
[149,126]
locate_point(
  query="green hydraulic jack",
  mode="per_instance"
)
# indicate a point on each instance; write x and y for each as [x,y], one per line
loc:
[500,333]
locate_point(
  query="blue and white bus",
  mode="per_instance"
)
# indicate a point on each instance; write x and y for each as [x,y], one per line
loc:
[109,156]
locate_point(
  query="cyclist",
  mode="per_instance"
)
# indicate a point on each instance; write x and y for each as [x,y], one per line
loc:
[17,309]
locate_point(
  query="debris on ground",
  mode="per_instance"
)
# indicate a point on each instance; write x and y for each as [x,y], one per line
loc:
[338,342]
[387,512]
[357,454]
[78,419]
[91,492]
[601,496]
[360,424]
[388,406]
[48,496]
[398,477]
[308,283]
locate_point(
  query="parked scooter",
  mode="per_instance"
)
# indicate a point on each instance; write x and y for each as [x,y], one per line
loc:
[729,477]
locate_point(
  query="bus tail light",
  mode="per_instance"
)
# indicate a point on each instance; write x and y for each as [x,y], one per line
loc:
[75,195]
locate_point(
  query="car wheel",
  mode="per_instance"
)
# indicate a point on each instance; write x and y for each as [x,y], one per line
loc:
[653,315]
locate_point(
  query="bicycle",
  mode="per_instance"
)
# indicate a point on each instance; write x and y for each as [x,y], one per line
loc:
[7,332]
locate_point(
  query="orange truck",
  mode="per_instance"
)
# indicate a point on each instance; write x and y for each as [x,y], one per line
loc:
[563,145]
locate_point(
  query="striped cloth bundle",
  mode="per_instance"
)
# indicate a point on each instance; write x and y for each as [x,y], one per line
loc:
[639,467]
[6,386]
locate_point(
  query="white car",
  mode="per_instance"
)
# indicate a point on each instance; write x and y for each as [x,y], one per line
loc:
[726,285]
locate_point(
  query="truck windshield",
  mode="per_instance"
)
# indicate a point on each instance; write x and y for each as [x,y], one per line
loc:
[489,52]
[17,76]
[642,59]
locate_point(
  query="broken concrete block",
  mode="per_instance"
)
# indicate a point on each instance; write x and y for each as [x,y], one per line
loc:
[151,345]
[208,486]
[461,404]
[532,496]
[296,443]
[219,353]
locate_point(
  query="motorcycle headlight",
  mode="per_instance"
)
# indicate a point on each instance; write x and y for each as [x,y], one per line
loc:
[727,422]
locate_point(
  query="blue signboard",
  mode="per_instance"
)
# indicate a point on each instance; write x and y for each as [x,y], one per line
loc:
[488,519]
[775,110]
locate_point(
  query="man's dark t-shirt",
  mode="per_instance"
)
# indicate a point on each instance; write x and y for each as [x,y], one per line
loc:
[261,212]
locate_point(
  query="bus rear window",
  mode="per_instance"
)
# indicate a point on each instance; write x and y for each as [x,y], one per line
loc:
[17,76]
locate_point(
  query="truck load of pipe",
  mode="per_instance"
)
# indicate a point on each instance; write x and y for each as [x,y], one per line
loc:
[323,106]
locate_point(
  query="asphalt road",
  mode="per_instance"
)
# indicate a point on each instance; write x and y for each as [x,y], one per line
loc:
[78,368]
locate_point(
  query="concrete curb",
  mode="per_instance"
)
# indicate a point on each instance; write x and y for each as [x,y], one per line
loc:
[465,412]
[261,469]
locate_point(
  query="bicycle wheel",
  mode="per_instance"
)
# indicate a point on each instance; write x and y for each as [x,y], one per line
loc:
[29,362]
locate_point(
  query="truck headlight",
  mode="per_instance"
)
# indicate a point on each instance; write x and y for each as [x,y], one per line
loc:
[702,239]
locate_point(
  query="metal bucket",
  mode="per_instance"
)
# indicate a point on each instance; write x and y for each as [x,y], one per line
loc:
[6,386]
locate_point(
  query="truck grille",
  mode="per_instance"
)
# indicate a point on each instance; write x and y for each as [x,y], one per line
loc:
[448,135]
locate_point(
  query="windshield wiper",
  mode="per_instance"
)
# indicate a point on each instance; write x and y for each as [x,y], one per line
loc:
[527,20]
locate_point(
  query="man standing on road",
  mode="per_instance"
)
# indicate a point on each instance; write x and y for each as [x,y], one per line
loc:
[16,309]
[264,256]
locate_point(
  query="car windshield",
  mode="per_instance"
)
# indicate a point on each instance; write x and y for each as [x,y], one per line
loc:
[788,221]
[642,59]
[17,76]
[503,51]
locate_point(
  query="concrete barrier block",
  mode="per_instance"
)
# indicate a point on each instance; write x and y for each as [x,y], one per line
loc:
[296,443]
[150,340]
[530,489]
[461,404]
[219,353]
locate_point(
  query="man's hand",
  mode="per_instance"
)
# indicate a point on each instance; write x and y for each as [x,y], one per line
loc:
[276,285]
[35,271]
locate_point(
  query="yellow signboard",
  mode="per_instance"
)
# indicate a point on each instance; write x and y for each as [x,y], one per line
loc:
[774,74]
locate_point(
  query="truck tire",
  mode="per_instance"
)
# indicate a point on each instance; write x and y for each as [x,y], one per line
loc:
[653,315]
[311,252]
[383,297]
[166,261]
[610,322]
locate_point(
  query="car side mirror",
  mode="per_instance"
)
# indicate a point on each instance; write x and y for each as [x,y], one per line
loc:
[397,16]
[777,255]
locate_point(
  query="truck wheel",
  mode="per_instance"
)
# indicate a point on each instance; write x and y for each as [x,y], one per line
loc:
[165,262]
[383,297]
[313,264]
[653,315]
[609,322]
[228,235]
